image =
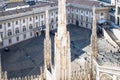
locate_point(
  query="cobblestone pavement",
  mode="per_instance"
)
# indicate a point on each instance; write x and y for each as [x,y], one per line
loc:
[26,57]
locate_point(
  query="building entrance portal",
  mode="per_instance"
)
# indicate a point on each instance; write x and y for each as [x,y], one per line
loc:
[77,22]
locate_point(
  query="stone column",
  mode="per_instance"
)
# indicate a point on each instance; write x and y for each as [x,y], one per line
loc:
[62,45]
[94,48]
[94,35]
[47,44]
[61,17]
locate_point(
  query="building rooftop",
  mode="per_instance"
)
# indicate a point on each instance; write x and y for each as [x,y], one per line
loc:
[15,4]
[108,54]
[84,2]
[22,10]
[42,4]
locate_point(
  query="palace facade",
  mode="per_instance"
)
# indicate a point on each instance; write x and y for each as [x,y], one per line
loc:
[24,23]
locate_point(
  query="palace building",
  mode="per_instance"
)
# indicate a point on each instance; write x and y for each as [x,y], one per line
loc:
[19,24]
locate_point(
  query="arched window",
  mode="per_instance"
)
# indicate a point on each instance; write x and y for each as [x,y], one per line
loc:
[9,32]
[24,28]
[17,30]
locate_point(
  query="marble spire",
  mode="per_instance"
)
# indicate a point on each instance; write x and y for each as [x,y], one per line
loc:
[94,35]
[61,17]
[47,44]
[62,46]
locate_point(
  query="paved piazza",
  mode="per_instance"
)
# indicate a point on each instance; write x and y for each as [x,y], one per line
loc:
[26,57]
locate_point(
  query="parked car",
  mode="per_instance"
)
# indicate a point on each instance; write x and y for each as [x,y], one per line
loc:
[6,49]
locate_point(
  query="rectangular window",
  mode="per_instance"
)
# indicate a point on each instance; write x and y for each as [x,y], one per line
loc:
[42,22]
[68,21]
[36,17]
[30,33]
[81,11]
[68,15]
[1,34]
[24,36]
[52,14]
[101,14]
[118,10]
[30,19]
[23,20]
[68,9]
[36,24]
[86,25]
[76,16]
[72,15]
[86,19]
[81,18]
[16,22]
[56,18]
[17,38]
[0,26]
[52,27]
[56,12]
[76,10]
[10,41]
[81,24]
[8,24]
[86,12]
[41,16]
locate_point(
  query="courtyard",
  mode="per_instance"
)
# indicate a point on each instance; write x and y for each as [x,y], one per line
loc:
[26,58]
